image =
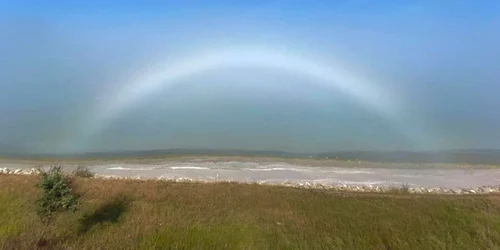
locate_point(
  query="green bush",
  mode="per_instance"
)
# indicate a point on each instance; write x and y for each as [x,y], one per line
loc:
[56,196]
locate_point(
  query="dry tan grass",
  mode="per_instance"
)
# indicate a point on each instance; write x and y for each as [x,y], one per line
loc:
[131,214]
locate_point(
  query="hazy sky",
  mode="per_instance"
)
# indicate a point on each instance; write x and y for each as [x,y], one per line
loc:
[65,65]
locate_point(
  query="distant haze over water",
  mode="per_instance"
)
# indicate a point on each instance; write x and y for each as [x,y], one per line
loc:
[319,76]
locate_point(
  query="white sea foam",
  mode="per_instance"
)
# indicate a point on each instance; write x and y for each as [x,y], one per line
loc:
[189,168]
[123,168]
[405,175]
[350,172]
[277,169]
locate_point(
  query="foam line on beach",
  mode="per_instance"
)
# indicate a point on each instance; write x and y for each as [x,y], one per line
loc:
[189,168]
[277,169]
[131,169]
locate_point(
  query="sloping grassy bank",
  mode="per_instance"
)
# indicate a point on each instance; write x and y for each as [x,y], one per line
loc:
[128,214]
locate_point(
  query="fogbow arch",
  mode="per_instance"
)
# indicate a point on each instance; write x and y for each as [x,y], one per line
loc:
[150,80]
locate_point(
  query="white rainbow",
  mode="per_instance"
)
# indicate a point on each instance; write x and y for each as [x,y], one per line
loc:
[368,94]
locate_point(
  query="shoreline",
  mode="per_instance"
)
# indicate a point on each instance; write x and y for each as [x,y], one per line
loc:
[339,187]
[313,162]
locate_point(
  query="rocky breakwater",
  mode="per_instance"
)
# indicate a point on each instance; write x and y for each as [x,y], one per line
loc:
[401,188]
[19,171]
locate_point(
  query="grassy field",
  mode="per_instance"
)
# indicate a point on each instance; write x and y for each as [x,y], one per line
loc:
[126,214]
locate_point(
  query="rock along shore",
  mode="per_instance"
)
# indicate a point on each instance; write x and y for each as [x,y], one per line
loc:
[302,184]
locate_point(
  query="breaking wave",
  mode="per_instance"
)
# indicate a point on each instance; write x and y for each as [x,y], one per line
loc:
[277,169]
[125,169]
[190,168]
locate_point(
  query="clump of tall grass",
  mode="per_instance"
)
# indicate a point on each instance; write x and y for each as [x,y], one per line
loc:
[402,189]
[83,172]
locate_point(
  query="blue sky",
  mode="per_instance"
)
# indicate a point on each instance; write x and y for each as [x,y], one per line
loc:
[60,58]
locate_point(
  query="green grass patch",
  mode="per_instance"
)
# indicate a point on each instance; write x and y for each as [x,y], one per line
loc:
[126,214]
